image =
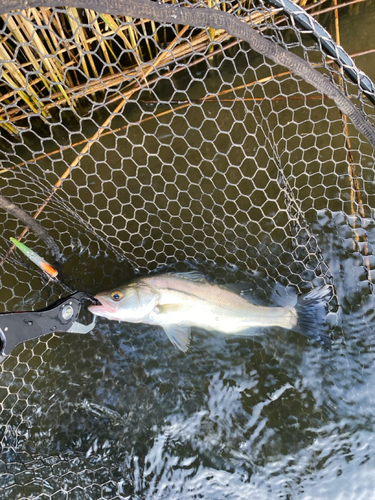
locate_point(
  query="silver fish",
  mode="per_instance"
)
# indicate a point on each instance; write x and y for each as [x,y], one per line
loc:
[179,301]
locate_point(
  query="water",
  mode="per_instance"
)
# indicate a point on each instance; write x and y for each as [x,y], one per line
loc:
[120,412]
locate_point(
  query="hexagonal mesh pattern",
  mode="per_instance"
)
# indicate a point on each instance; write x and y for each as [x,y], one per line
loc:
[201,153]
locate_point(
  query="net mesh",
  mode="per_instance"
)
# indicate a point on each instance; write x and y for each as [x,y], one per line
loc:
[200,153]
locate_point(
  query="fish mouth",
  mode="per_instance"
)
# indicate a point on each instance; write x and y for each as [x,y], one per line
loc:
[102,309]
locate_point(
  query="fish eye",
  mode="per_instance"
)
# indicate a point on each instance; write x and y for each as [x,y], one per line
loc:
[117,295]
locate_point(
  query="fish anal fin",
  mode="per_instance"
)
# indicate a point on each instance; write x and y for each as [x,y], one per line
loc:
[179,336]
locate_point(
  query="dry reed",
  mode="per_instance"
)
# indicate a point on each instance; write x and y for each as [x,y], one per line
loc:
[51,57]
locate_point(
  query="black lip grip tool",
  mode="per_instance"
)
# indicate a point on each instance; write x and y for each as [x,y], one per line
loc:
[61,316]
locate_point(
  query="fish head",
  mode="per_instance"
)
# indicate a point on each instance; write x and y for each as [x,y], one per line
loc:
[132,302]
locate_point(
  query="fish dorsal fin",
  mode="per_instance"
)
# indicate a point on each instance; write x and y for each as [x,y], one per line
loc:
[190,275]
[179,336]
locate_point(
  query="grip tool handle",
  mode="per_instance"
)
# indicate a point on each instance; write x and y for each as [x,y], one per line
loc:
[61,316]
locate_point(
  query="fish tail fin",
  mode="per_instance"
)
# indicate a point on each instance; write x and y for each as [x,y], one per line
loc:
[311,313]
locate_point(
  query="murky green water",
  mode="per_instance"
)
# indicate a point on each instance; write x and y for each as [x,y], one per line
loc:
[121,413]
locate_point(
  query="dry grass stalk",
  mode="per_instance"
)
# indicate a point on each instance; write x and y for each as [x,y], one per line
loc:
[52,42]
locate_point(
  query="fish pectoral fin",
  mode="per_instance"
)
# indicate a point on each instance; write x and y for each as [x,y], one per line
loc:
[179,336]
